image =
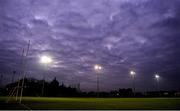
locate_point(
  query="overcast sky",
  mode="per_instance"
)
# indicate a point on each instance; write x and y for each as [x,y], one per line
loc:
[120,35]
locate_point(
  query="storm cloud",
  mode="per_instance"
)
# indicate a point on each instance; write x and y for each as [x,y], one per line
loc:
[120,35]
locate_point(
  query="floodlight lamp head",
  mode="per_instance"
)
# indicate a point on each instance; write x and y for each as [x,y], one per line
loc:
[45,59]
[132,72]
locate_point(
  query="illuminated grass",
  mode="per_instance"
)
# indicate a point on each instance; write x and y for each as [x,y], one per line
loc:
[93,103]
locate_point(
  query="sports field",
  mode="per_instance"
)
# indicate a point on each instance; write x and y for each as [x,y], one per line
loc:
[91,103]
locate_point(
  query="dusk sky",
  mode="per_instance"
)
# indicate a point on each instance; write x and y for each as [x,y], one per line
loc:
[120,35]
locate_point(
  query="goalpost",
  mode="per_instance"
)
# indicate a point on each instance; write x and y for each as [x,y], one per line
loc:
[17,92]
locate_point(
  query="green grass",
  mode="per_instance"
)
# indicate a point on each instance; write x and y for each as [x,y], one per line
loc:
[92,103]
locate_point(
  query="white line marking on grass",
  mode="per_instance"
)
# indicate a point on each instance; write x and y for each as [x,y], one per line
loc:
[26,106]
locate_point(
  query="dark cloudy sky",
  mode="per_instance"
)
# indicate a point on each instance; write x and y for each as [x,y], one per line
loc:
[120,35]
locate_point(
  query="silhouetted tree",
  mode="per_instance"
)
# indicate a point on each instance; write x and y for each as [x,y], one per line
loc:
[53,88]
[33,87]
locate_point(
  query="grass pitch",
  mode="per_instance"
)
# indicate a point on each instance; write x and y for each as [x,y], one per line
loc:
[91,103]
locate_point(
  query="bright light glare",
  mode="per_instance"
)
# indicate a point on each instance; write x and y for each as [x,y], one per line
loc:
[157,76]
[132,73]
[45,59]
[97,67]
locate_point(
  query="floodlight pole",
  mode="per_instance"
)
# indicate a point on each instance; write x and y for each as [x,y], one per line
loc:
[43,84]
[132,73]
[97,69]
[45,60]
[97,85]
[157,81]
[133,83]
[157,84]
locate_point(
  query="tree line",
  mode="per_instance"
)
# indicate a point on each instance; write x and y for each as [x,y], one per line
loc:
[33,87]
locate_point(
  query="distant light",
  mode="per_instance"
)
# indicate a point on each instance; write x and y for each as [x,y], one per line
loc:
[97,67]
[100,67]
[157,76]
[132,72]
[45,59]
